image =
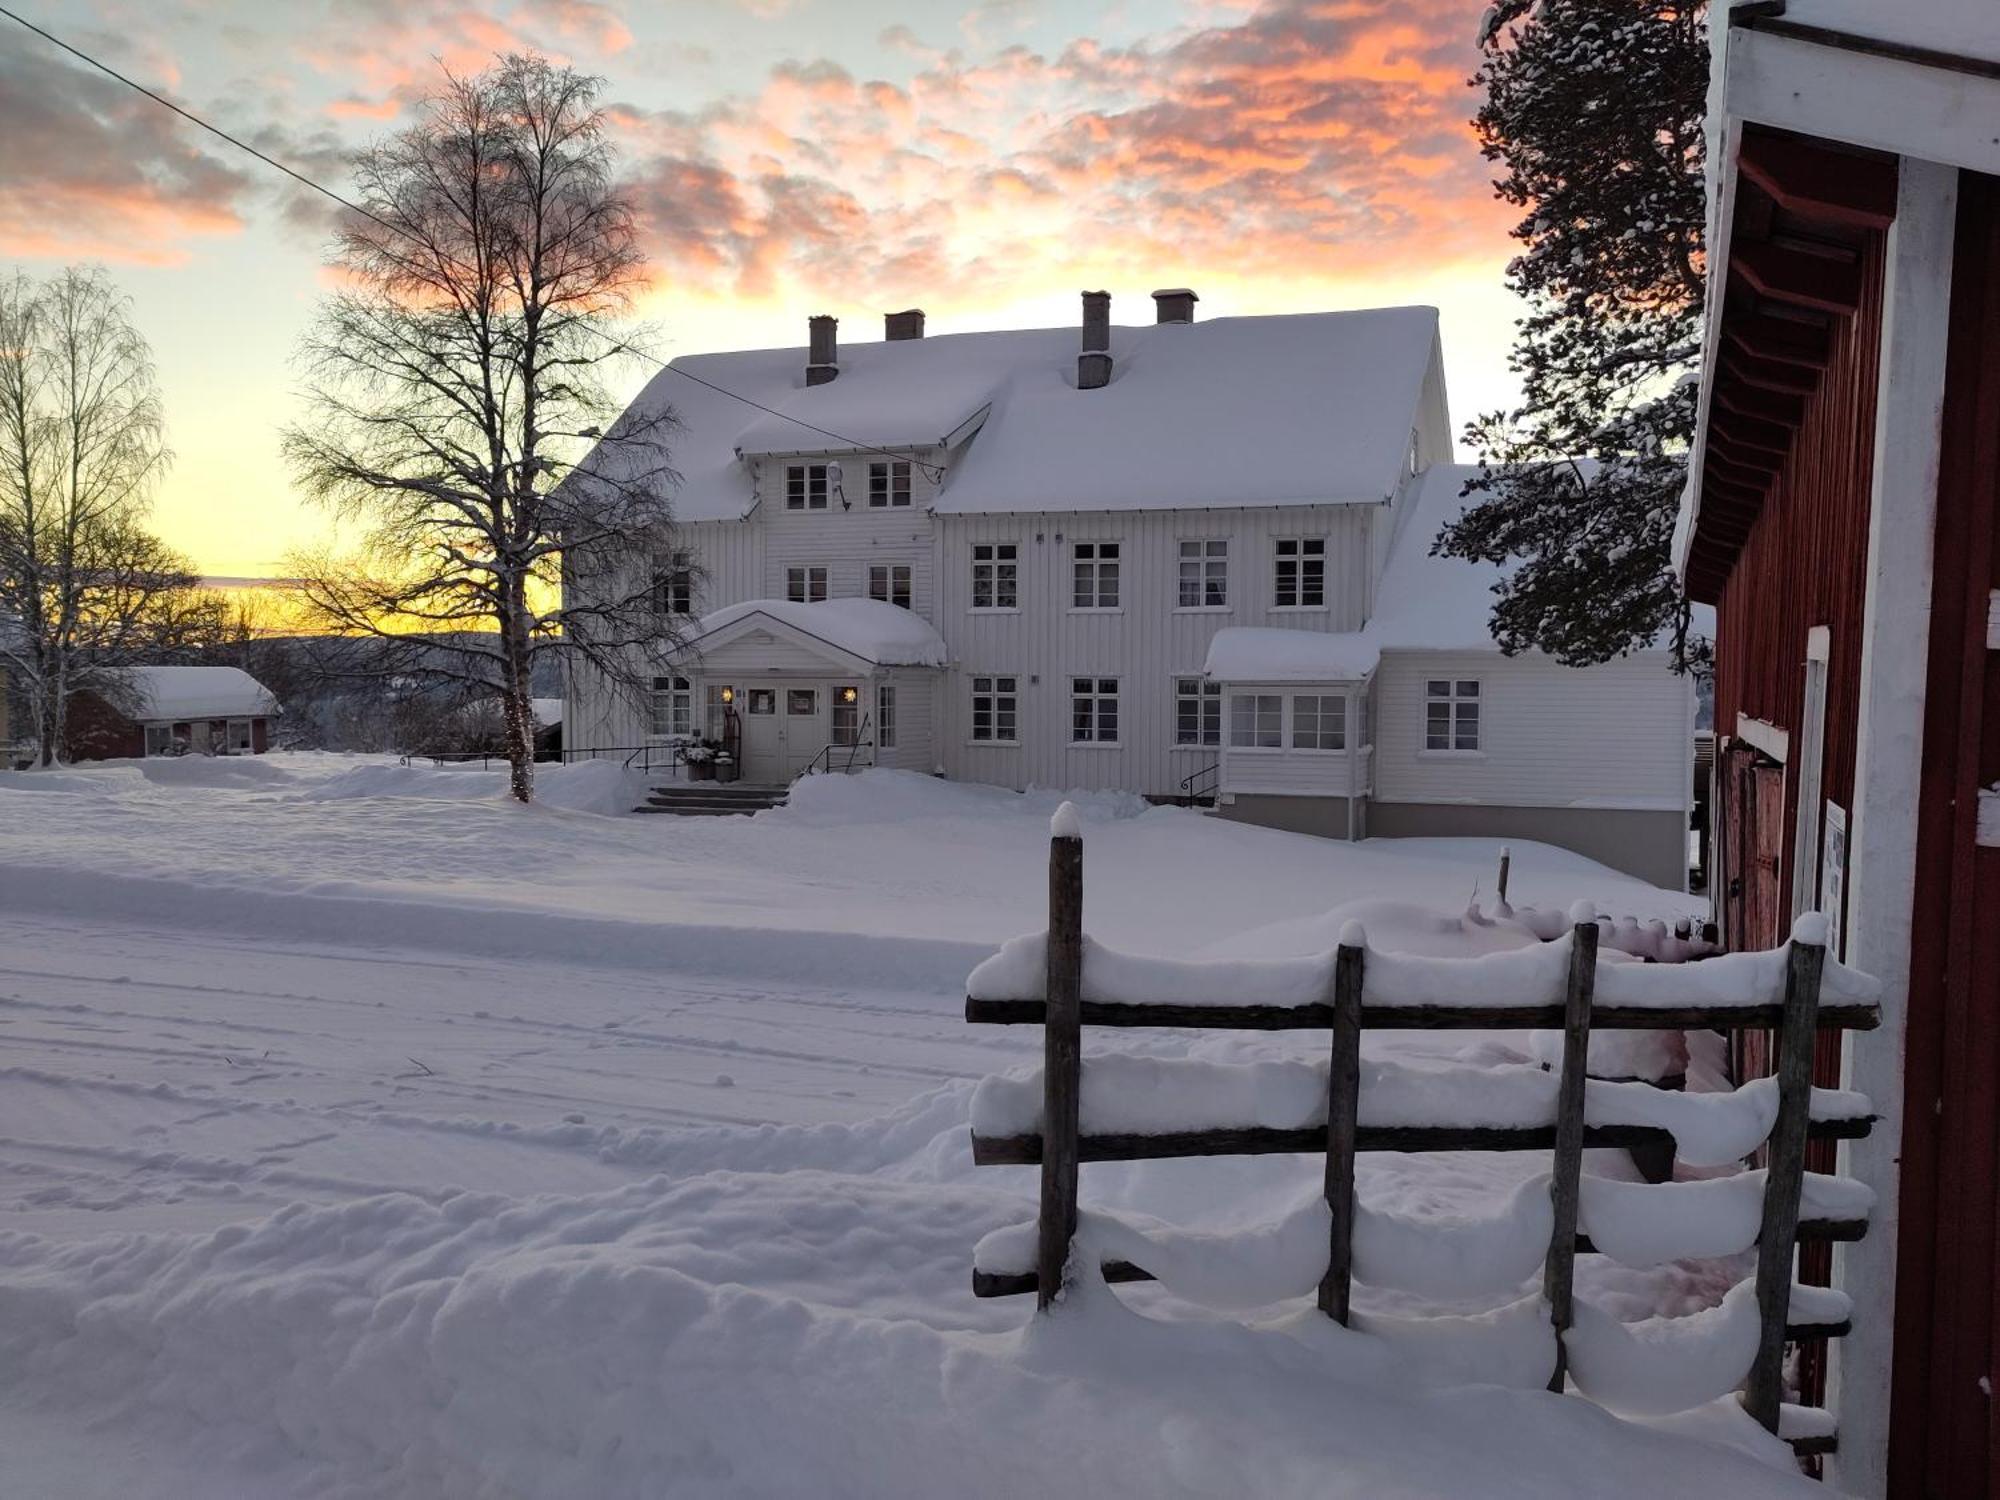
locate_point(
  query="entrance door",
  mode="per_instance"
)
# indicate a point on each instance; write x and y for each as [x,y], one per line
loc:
[785,724]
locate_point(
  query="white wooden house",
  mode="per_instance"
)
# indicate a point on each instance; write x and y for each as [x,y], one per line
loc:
[1183,558]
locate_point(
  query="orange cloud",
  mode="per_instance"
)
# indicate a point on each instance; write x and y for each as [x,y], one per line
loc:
[1294,138]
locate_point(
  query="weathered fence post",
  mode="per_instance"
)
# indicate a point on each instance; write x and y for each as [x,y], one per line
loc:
[1784,1178]
[1343,1093]
[1062,1054]
[1559,1272]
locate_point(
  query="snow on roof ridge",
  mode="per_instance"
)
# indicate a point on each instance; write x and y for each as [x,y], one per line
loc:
[884,634]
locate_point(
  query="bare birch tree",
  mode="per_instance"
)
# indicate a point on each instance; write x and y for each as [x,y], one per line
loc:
[457,386]
[85,589]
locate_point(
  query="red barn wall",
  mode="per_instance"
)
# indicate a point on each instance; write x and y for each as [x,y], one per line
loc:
[1805,564]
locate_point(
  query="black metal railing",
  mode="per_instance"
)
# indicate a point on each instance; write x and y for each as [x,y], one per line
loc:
[670,756]
[1201,783]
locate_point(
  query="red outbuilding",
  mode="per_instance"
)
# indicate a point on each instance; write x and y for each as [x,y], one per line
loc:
[1843,516]
[173,711]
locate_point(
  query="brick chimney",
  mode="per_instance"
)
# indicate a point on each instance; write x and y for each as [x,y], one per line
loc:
[1174,304]
[822,349]
[908,324]
[1093,365]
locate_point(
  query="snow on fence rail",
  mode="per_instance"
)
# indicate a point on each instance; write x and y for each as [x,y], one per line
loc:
[1123,1108]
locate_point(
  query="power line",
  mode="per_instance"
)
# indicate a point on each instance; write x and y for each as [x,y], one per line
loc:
[933,472]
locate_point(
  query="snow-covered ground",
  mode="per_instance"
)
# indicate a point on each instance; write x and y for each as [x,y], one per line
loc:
[362,1134]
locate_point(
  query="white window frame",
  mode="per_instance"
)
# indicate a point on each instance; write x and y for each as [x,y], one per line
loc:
[229,745]
[1093,712]
[673,586]
[165,737]
[1207,700]
[1210,563]
[1321,729]
[885,715]
[801,581]
[1094,578]
[806,487]
[996,564]
[846,711]
[892,583]
[889,483]
[1459,694]
[675,694]
[1305,554]
[1257,727]
[997,689]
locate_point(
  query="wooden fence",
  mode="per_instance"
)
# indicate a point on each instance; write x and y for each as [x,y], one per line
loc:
[1061,1145]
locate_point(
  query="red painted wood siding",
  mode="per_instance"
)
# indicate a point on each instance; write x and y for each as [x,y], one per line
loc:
[1945,1421]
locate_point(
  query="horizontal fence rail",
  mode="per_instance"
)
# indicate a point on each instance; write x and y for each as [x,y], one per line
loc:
[1060,1143]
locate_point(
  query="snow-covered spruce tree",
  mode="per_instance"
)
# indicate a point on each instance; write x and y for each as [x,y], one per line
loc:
[85,590]
[456,385]
[1593,110]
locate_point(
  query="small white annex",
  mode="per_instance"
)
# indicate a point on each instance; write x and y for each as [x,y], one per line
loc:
[1188,559]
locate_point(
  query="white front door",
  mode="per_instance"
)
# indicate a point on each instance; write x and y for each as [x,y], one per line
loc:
[785,724]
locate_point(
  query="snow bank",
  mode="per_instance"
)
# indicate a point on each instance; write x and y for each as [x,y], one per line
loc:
[874,797]
[592,786]
[1019,971]
[1664,1364]
[1649,1224]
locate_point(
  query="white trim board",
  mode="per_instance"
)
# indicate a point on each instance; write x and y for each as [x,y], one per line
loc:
[1764,735]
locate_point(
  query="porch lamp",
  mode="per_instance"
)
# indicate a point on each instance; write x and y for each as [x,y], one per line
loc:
[729,695]
[849,694]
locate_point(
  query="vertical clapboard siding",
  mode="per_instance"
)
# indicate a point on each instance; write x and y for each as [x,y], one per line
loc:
[914,749]
[1635,710]
[1145,644]
[846,542]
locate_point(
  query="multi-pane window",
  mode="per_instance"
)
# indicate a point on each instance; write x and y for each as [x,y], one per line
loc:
[890,582]
[1257,721]
[805,487]
[885,716]
[1204,573]
[1451,713]
[995,709]
[1093,710]
[1299,580]
[806,585]
[673,586]
[889,482]
[995,576]
[1197,711]
[670,707]
[847,715]
[1319,721]
[159,739]
[1096,580]
[721,699]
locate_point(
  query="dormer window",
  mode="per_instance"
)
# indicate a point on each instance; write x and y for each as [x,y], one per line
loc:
[805,487]
[889,483]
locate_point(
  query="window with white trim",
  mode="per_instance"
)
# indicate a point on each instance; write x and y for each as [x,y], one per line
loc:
[805,487]
[1451,713]
[888,483]
[159,739]
[996,575]
[890,582]
[1298,579]
[885,716]
[673,585]
[670,708]
[805,585]
[1257,721]
[995,710]
[847,714]
[1093,710]
[1197,711]
[1095,566]
[1319,721]
[721,698]
[1204,576]
[236,737]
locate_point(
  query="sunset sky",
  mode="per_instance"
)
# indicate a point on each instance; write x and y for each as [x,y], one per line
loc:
[983,161]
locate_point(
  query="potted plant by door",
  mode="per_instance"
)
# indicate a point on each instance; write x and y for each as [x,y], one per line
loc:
[700,759]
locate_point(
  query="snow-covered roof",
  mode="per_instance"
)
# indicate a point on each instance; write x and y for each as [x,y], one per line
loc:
[1427,603]
[171,694]
[1251,653]
[886,635]
[548,711]
[1310,408]
[1956,28]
